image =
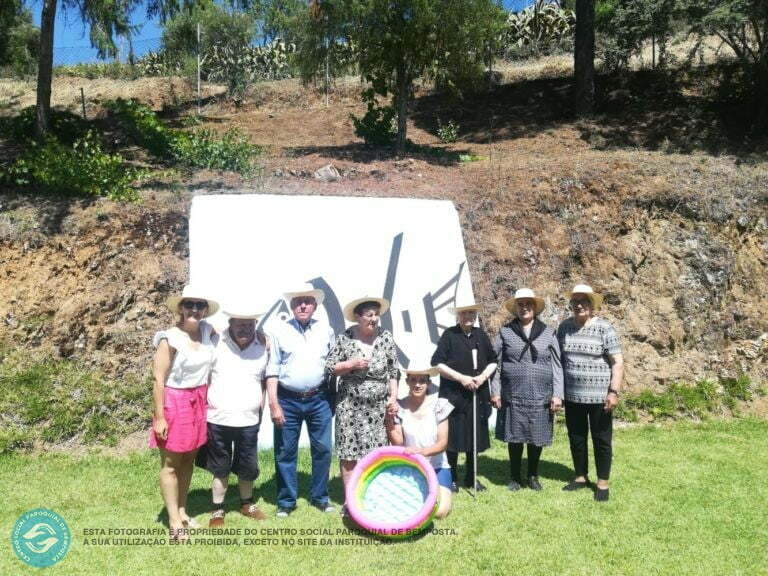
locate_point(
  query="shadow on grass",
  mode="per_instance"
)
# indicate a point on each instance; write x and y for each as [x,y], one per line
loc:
[497,470]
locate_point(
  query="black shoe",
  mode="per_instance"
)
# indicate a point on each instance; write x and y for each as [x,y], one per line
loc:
[573,485]
[454,488]
[601,495]
[514,486]
[478,486]
[534,484]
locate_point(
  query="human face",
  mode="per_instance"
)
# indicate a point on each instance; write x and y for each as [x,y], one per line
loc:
[192,311]
[303,307]
[417,384]
[581,306]
[525,309]
[368,319]
[467,319]
[242,331]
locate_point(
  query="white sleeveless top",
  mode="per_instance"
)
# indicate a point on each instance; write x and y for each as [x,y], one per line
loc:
[420,427]
[191,366]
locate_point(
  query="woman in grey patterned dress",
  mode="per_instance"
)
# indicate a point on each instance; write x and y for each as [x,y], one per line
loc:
[593,367]
[528,388]
[364,358]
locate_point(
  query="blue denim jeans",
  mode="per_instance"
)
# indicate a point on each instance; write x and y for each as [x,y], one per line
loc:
[316,412]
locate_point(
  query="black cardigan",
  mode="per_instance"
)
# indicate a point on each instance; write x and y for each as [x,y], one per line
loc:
[455,351]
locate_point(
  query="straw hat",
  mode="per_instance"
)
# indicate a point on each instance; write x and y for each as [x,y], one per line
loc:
[462,306]
[511,304]
[191,292]
[597,299]
[305,289]
[431,371]
[241,312]
[349,309]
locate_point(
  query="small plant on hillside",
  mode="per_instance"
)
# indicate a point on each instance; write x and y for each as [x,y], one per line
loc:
[202,149]
[448,133]
[377,127]
[537,29]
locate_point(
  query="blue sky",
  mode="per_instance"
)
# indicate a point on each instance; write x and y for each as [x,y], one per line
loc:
[71,43]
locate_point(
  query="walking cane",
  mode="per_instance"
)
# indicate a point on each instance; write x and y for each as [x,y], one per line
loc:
[474,427]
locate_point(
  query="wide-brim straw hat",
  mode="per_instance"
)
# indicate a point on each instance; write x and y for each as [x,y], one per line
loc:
[511,304]
[241,313]
[463,307]
[349,309]
[431,371]
[597,299]
[191,292]
[305,290]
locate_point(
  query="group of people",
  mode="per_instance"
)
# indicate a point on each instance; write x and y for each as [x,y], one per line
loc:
[210,390]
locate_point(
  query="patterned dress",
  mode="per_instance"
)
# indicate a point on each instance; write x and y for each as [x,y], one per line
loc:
[585,359]
[529,376]
[362,395]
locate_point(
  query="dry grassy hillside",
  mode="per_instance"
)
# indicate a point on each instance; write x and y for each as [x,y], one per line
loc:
[649,201]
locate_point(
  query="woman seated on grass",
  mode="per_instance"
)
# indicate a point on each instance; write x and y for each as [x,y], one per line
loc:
[421,425]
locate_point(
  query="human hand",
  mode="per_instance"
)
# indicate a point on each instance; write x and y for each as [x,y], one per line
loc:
[409,450]
[358,364]
[478,381]
[496,401]
[161,428]
[468,382]
[278,418]
[391,407]
[556,404]
[611,401]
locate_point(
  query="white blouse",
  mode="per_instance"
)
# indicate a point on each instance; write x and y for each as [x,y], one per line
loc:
[191,364]
[420,427]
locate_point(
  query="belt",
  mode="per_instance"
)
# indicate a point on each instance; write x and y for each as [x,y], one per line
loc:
[300,395]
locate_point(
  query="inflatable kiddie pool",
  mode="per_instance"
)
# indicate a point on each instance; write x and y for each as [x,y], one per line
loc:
[391,493]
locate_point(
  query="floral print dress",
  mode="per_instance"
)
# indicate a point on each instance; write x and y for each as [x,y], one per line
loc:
[362,394]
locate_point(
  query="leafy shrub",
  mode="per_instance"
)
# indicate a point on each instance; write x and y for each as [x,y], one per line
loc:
[200,149]
[378,126]
[65,126]
[448,133]
[82,169]
[115,70]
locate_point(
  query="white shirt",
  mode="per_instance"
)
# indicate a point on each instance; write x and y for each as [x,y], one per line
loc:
[298,354]
[420,427]
[191,364]
[235,393]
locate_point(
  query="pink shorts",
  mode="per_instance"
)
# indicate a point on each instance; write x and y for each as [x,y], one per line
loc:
[185,411]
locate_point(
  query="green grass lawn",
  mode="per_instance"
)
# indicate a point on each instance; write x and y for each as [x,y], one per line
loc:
[686,499]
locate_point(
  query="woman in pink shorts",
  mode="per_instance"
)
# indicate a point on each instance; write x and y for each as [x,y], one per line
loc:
[182,365]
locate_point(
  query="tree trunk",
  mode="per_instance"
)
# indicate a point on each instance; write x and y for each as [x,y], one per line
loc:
[45,68]
[584,56]
[401,102]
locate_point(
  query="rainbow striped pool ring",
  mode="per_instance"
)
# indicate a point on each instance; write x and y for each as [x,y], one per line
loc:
[391,493]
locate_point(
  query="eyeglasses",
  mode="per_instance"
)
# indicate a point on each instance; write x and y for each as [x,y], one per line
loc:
[583,302]
[195,305]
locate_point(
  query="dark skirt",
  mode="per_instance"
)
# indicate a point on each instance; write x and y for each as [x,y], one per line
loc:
[460,428]
[524,424]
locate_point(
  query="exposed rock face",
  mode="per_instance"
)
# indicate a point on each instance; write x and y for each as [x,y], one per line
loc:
[684,277]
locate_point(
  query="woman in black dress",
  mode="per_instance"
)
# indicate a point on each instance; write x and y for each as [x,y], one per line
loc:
[465,359]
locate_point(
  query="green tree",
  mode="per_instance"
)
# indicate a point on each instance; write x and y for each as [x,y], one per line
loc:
[219,26]
[397,41]
[19,39]
[742,25]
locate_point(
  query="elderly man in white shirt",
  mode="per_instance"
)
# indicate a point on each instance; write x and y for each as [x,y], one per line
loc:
[298,393]
[235,400]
